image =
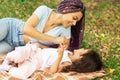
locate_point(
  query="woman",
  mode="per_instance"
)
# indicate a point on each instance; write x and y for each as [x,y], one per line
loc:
[31,58]
[46,26]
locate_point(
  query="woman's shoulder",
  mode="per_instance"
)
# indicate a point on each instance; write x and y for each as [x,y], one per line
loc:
[43,7]
[42,11]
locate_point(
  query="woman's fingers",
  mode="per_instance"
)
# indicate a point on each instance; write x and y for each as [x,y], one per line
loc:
[61,40]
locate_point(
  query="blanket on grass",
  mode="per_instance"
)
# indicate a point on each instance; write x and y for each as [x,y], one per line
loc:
[40,75]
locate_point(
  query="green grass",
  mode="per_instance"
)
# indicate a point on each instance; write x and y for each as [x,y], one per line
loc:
[102,30]
[102,33]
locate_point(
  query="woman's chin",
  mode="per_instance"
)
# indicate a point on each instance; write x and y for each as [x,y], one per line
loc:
[66,26]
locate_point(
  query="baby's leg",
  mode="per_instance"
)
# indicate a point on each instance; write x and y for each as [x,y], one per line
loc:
[23,71]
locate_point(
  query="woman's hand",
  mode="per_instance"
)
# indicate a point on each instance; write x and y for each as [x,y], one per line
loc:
[63,41]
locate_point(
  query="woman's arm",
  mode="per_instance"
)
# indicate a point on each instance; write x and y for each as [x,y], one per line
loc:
[29,29]
[41,45]
[55,66]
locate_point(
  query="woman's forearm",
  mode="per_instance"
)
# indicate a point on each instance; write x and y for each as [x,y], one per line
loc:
[41,45]
[32,32]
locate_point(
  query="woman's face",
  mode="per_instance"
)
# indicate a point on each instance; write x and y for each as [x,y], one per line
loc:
[70,19]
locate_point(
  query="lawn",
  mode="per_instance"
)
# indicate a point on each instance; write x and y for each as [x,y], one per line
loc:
[102,27]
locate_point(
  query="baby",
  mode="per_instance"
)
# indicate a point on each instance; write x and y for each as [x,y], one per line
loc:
[31,58]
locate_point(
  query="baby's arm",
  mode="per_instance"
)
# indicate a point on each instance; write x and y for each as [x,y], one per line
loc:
[54,67]
[40,45]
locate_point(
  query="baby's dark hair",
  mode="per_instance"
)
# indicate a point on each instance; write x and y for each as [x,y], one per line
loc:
[91,61]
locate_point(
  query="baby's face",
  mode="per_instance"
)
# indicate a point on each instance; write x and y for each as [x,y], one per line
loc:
[79,53]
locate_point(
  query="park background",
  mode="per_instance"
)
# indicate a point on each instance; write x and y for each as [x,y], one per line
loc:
[102,27]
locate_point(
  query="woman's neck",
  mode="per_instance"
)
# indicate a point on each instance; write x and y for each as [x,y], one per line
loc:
[55,19]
